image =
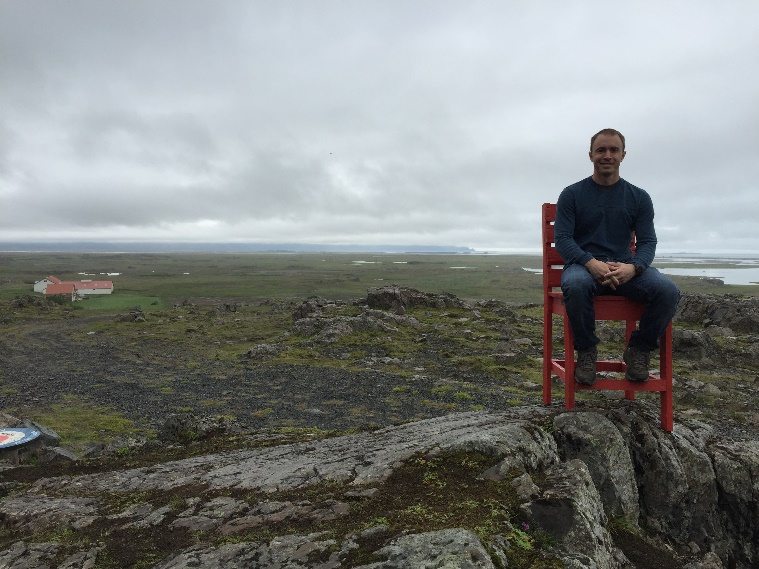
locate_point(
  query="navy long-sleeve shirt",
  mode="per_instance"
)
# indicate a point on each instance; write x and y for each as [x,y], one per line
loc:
[595,221]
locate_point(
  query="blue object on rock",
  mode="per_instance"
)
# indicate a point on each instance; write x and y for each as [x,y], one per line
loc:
[17,437]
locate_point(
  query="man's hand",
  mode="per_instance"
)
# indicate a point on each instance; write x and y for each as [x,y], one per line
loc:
[597,268]
[611,274]
[618,274]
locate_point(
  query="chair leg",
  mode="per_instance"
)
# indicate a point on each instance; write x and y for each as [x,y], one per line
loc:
[667,419]
[629,329]
[665,372]
[547,350]
[569,366]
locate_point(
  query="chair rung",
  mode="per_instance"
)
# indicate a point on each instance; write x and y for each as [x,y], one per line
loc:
[653,383]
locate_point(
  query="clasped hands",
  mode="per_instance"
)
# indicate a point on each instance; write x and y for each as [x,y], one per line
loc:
[610,273]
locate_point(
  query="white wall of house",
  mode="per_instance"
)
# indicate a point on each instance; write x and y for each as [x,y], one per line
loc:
[82,290]
[41,286]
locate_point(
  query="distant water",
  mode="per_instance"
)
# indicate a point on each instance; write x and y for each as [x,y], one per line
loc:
[731,276]
[740,271]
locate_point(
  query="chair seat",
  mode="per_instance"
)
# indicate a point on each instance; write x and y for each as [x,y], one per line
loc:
[607,307]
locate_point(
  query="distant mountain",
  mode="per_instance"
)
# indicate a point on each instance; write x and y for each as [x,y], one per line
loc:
[135,247]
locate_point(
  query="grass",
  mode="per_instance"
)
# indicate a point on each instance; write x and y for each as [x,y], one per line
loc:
[121,301]
[79,422]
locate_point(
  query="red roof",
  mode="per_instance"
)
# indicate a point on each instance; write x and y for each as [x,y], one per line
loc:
[54,279]
[60,288]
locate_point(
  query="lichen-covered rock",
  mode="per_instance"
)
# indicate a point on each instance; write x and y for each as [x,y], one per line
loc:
[570,510]
[22,555]
[398,299]
[596,441]
[740,313]
[185,427]
[676,483]
[38,512]
[285,552]
[736,465]
[447,549]
[694,345]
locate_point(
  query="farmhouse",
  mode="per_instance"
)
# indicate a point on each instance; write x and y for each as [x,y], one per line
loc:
[61,289]
[52,285]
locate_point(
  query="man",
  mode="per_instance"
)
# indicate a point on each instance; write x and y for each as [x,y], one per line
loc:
[595,220]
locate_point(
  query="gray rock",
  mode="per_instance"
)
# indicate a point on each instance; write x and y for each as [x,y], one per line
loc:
[736,465]
[445,549]
[360,459]
[153,518]
[82,559]
[713,390]
[676,483]
[710,561]
[694,345]
[9,421]
[285,552]
[569,509]
[22,555]
[37,512]
[525,488]
[47,435]
[596,441]
[57,455]
[741,313]
[186,427]
[398,299]
[263,351]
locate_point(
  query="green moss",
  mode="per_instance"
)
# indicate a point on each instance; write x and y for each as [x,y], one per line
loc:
[79,422]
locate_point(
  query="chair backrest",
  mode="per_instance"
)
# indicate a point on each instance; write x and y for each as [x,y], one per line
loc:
[553,264]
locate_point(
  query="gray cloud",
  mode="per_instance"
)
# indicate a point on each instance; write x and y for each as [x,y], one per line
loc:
[369,122]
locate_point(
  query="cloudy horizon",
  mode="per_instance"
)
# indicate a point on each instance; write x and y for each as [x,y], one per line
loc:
[376,123]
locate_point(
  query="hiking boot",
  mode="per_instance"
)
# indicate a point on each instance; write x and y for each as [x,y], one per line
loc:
[638,362]
[585,369]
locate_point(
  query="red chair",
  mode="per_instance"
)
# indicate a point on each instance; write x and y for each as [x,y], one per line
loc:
[607,308]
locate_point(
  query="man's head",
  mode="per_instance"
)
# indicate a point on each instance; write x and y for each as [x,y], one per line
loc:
[610,132]
[607,150]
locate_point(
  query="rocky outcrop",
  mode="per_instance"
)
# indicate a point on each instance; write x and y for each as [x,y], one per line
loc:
[739,313]
[571,475]
[694,345]
[445,548]
[597,442]
[569,509]
[398,299]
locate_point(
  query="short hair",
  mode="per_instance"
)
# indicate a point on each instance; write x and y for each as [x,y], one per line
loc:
[610,132]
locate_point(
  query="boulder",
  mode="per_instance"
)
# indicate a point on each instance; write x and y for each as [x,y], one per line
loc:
[185,428]
[449,548]
[570,510]
[740,313]
[398,299]
[596,441]
[694,345]
[676,484]
[736,466]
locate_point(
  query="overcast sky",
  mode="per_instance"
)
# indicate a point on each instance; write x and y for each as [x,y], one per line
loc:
[387,122]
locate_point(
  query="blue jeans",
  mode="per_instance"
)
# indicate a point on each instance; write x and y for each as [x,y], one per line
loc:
[657,292]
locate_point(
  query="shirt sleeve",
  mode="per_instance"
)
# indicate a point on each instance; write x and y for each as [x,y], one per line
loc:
[645,235]
[564,229]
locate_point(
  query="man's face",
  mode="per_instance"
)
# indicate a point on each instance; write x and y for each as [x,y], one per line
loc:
[607,155]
